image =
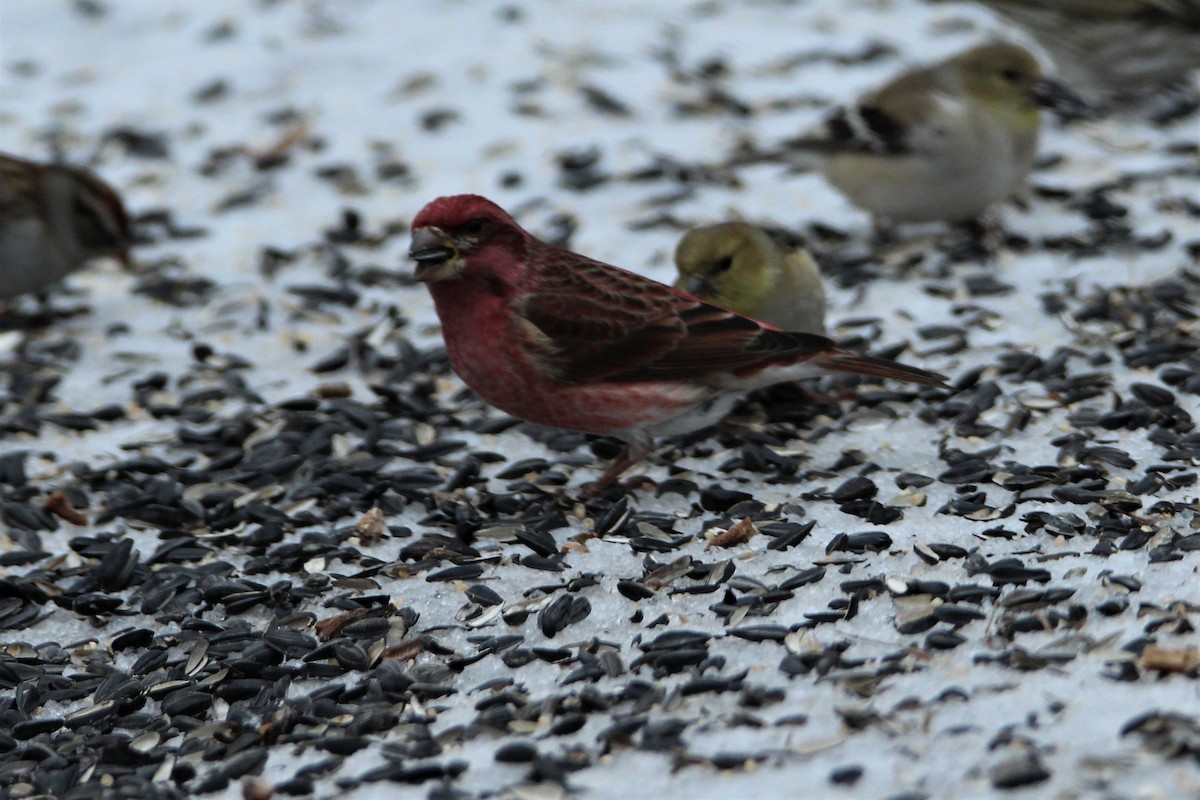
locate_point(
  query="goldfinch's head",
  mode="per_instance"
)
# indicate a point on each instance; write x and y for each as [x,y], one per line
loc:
[732,264]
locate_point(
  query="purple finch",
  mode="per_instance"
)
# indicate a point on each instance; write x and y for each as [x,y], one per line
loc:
[556,338]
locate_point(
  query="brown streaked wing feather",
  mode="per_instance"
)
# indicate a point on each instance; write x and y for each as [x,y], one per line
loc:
[602,323]
[597,320]
[721,341]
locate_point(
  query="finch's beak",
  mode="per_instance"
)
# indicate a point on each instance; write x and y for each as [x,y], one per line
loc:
[1057,97]
[434,253]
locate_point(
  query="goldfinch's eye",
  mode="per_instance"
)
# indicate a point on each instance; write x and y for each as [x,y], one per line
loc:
[1010,75]
[473,226]
[724,263]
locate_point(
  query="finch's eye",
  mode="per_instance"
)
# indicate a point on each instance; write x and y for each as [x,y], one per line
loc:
[473,226]
[724,263]
[1010,75]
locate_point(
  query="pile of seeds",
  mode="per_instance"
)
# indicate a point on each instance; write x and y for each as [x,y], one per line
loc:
[259,541]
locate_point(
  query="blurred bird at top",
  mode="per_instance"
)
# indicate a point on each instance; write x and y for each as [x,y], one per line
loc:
[738,266]
[939,143]
[54,218]
[1113,50]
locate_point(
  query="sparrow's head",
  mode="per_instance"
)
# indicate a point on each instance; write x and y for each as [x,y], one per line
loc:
[450,233]
[90,211]
[731,264]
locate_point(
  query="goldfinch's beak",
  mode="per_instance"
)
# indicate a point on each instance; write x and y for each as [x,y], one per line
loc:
[694,285]
[1057,97]
[434,253]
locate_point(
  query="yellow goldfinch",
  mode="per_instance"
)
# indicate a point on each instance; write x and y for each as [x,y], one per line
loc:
[739,267]
[1115,48]
[941,143]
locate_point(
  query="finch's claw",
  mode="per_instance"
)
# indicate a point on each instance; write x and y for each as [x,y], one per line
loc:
[630,455]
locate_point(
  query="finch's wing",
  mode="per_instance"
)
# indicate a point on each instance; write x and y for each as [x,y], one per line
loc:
[590,322]
[908,115]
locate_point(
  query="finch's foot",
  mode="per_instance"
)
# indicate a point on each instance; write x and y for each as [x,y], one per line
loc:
[632,454]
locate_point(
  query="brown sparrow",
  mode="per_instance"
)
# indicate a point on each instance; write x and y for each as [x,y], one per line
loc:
[53,219]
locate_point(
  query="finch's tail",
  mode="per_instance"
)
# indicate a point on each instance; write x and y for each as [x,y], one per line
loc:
[845,361]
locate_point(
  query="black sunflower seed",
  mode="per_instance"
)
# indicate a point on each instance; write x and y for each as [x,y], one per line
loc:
[563,611]
[864,541]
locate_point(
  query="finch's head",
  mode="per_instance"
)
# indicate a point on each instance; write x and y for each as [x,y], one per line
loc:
[453,233]
[1004,78]
[1007,80]
[732,264]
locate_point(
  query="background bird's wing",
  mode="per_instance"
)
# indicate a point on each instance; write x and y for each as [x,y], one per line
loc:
[594,322]
[897,119]
[1184,13]
[20,195]
[1180,12]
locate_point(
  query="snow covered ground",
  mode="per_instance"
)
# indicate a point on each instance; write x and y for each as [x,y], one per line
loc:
[275,151]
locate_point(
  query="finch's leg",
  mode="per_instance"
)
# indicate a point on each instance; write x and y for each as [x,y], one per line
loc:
[634,453]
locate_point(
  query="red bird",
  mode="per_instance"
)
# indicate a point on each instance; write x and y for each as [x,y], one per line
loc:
[556,338]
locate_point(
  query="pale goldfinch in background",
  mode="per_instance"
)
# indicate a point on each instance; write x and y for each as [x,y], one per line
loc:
[1116,49]
[941,143]
[738,266]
